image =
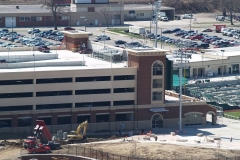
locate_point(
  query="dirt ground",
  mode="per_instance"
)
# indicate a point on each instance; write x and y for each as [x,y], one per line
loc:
[142,150]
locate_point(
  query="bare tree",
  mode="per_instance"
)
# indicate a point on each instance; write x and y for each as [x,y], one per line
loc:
[230,6]
[107,13]
[55,7]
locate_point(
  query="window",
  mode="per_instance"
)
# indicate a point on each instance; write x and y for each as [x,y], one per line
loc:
[93,104]
[102,118]
[124,77]
[82,118]
[0,19]
[4,123]
[91,79]
[54,106]
[24,19]
[123,90]
[117,17]
[24,122]
[64,18]
[36,18]
[16,82]
[157,83]
[92,91]
[123,103]
[47,120]
[157,68]
[141,14]
[54,80]
[53,93]
[91,9]
[124,117]
[16,95]
[16,108]
[157,96]
[193,119]
[64,120]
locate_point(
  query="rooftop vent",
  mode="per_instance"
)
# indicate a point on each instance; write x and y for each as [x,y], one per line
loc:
[17,7]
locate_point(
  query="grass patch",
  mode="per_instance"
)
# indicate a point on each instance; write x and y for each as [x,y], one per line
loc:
[236,114]
[121,31]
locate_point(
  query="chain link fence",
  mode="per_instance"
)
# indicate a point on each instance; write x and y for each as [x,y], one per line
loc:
[78,150]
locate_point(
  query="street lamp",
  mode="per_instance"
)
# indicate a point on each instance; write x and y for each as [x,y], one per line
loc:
[85,24]
[8,55]
[83,46]
[104,37]
[222,62]
[202,65]
[151,19]
[190,22]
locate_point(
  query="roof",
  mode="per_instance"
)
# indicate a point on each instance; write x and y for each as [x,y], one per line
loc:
[229,51]
[143,7]
[23,9]
[67,60]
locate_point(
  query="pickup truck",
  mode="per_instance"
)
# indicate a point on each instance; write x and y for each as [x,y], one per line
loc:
[43,49]
[38,149]
[53,145]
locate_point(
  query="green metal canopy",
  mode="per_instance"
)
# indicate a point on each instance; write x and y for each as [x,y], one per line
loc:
[176,81]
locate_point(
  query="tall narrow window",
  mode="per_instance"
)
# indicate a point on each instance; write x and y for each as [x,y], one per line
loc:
[157,69]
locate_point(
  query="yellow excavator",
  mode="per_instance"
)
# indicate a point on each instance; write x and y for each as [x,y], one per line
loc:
[78,135]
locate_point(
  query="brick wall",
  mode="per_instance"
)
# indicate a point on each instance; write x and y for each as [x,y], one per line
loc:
[144,75]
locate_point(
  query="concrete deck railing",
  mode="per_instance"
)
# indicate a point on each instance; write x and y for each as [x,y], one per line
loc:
[184,97]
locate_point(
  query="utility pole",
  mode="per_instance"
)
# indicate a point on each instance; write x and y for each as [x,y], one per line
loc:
[222,62]
[202,65]
[157,6]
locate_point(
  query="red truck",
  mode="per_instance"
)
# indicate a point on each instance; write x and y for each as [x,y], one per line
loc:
[41,131]
[219,27]
[198,37]
[38,149]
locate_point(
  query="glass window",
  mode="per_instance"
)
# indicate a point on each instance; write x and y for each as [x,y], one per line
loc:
[4,123]
[0,19]
[64,120]
[157,96]
[124,117]
[102,118]
[117,16]
[82,118]
[24,122]
[157,68]
[193,119]
[64,17]
[47,120]
[157,83]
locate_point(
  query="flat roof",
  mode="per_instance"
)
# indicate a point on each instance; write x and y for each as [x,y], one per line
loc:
[64,56]
[195,58]
[23,9]
[143,7]
[228,51]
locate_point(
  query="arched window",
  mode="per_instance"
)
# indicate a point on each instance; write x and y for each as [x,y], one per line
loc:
[157,69]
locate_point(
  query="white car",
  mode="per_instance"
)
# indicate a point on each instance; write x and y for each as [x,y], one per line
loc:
[164,18]
[103,37]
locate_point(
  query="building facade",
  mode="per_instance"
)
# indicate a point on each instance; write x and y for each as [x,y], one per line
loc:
[126,98]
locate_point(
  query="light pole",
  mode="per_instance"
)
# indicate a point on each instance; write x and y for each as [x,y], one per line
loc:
[158,5]
[181,61]
[222,62]
[68,11]
[8,55]
[83,47]
[190,22]
[151,19]
[202,65]
[104,37]
[85,24]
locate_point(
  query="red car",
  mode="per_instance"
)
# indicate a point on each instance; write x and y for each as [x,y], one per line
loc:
[86,51]
[198,37]
[39,149]
[68,28]
[43,49]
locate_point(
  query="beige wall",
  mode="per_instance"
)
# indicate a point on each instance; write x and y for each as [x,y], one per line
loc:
[67,86]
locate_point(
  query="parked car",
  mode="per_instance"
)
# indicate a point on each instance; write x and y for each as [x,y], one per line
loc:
[39,149]
[53,145]
[198,37]
[202,45]
[68,28]
[34,30]
[43,49]
[167,31]
[207,30]
[164,18]
[86,51]
[103,37]
[120,42]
